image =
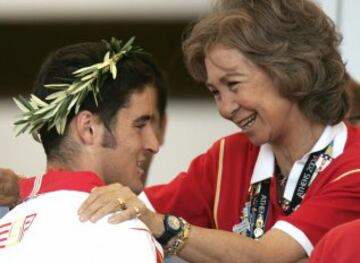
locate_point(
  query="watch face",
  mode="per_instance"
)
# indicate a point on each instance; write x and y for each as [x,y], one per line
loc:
[174,222]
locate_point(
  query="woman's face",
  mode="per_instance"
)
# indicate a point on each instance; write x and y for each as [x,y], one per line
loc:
[247,96]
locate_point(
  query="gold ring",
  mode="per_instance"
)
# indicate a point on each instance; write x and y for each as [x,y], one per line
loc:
[137,211]
[122,203]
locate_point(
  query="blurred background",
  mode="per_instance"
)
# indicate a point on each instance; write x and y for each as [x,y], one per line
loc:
[30,29]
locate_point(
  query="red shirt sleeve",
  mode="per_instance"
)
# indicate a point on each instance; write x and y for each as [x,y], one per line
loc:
[340,245]
[191,194]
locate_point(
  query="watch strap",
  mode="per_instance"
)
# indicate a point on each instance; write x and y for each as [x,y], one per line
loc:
[169,232]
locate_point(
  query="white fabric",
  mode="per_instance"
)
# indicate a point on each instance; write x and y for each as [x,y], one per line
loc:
[296,234]
[142,196]
[264,166]
[56,235]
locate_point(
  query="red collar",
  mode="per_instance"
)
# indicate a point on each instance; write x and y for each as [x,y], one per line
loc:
[82,181]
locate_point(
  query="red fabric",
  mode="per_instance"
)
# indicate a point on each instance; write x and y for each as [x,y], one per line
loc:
[192,193]
[329,203]
[82,181]
[340,245]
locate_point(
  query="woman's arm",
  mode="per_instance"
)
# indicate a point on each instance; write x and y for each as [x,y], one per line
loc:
[206,245]
[203,245]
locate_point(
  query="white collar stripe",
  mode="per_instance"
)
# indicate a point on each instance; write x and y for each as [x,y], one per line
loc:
[264,166]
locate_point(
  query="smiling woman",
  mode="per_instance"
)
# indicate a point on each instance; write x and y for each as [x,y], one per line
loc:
[237,82]
[270,192]
[292,173]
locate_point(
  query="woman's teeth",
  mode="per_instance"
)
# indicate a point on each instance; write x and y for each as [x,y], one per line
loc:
[248,122]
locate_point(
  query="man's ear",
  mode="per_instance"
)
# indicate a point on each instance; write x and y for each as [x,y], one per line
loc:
[87,127]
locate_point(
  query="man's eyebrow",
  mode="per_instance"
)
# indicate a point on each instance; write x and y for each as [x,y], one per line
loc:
[143,118]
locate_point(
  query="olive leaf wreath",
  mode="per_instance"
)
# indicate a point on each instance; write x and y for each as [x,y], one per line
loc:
[56,107]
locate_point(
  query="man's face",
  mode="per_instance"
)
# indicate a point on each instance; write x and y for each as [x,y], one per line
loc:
[135,140]
[159,126]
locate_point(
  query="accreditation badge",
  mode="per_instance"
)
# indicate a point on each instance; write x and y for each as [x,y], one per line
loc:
[244,227]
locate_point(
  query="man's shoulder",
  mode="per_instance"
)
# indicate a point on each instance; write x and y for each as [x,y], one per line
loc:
[52,219]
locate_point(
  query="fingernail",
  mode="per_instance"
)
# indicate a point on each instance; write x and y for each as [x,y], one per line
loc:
[82,218]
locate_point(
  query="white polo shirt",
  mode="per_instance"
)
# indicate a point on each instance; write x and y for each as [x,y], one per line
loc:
[46,228]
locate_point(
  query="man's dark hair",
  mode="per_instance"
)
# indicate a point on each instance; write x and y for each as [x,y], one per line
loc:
[135,71]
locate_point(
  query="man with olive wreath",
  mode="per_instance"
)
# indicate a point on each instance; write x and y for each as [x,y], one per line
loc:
[92,109]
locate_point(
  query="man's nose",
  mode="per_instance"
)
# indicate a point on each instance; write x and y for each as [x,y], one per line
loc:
[152,143]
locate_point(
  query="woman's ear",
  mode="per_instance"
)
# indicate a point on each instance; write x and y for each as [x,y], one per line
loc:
[87,127]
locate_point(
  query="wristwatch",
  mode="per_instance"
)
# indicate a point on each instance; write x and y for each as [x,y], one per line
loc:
[173,226]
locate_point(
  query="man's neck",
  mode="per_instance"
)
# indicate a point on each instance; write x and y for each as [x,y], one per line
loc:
[57,180]
[74,165]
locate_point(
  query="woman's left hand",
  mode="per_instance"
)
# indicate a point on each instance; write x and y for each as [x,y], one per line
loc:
[109,199]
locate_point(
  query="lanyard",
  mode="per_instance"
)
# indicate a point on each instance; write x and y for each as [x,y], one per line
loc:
[256,210]
[260,203]
[314,165]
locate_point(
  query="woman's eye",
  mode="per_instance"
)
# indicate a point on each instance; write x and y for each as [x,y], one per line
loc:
[232,84]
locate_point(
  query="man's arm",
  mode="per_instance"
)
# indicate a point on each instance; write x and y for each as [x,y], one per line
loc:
[9,188]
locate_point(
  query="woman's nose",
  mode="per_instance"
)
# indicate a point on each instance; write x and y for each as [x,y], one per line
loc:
[227,105]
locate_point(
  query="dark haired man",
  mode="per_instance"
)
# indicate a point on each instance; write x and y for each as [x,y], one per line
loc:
[104,142]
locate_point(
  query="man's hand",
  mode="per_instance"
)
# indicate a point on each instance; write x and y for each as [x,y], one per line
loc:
[9,188]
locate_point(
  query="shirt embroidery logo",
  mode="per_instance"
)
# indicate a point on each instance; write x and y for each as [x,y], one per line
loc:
[12,233]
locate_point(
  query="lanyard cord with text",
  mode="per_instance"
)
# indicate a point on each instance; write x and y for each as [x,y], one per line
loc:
[256,210]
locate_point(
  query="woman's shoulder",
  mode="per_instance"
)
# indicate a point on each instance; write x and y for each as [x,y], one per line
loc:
[235,138]
[235,143]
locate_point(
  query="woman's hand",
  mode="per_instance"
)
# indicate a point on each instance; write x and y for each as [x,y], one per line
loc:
[109,199]
[118,198]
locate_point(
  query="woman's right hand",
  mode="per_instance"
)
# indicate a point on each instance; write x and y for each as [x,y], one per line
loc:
[120,201]
[110,199]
